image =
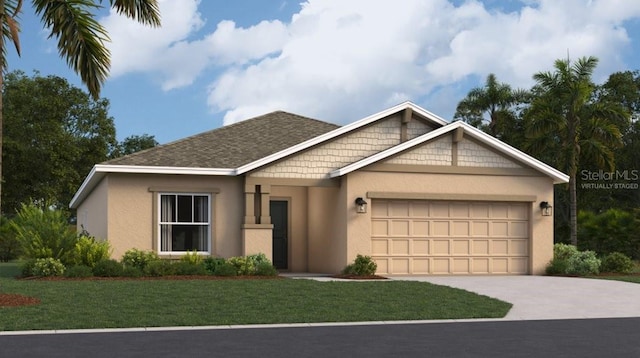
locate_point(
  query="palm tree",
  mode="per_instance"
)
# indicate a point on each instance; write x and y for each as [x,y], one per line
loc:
[81,38]
[565,121]
[497,100]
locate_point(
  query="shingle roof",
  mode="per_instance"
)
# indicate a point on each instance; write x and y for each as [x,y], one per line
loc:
[233,145]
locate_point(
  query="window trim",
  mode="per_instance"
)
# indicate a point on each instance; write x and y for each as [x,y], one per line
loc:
[158,221]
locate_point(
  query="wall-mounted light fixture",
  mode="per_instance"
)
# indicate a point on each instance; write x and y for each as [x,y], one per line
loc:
[361,206]
[547,210]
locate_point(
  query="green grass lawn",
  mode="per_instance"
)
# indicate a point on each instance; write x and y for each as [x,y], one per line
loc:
[147,303]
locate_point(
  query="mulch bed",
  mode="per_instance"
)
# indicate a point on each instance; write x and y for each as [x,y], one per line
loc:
[151,278]
[359,277]
[15,300]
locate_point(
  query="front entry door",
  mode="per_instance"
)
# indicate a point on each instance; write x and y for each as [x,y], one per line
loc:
[280,221]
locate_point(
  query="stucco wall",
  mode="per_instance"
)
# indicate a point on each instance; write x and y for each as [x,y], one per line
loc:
[132,218]
[360,182]
[92,213]
[326,230]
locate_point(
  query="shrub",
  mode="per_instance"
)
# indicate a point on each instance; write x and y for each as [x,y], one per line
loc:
[184,268]
[108,268]
[26,269]
[226,269]
[557,267]
[88,251]
[362,266]
[78,271]
[138,258]
[48,267]
[212,263]
[564,251]
[583,263]
[9,244]
[617,262]
[266,269]
[243,265]
[191,257]
[131,271]
[160,268]
[44,233]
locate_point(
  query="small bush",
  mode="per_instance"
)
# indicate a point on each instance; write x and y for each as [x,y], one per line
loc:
[266,269]
[108,268]
[78,271]
[130,271]
[564,251]
[362,266]
[184,268]
[583,263]
[226,269]
[26,269]
[9,244]
[48,267]
[243,265]
[212,263]
[138,258]
[617,262]
[557,267]
[192,257]
[88,251]
[160,268]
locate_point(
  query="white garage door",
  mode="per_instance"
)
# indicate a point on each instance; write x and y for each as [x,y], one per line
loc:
[450,237]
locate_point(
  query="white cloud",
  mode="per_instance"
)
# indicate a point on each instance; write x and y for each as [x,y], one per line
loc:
[338,60]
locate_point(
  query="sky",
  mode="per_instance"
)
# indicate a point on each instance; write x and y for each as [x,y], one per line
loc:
[217,62]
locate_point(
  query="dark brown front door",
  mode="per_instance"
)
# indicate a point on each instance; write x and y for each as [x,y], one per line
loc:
[280,221]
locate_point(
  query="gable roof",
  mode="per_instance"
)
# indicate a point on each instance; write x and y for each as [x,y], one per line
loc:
[556,175]
[231,146]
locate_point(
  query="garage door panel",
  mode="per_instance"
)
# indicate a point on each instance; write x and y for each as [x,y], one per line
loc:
[439,237]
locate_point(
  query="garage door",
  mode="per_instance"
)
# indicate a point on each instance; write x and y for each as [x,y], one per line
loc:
[450,237]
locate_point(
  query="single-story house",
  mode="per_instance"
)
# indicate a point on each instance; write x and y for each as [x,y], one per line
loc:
[418,194]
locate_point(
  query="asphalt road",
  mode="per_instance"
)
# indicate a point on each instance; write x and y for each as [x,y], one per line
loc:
[619,337]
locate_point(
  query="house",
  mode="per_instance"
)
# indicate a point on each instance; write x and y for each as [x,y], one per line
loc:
[418,194]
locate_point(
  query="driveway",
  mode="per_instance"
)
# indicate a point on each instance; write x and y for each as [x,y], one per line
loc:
[544,297]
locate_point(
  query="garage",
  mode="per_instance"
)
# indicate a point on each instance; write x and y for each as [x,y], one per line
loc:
[450,237]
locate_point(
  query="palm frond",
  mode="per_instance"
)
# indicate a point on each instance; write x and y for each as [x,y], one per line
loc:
[144,11]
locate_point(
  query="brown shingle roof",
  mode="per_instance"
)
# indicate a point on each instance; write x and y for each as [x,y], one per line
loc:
[232,146]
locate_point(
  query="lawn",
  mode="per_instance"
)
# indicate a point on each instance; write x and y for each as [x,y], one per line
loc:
[68,304]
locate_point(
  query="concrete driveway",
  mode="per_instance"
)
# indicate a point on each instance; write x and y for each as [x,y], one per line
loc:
[543,297]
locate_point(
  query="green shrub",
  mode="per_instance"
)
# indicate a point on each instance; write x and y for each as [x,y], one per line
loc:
[184,268]
[226,269]
[362,266]
[557,267]
[192,257]
[243,265]
[26,268]
[564,251]
[131,271]
[138,258]
[48,267]
[160,268]
[583,263]
[44,233]
[78,271]
[266,269]
[9,244]
[108,268]
[88,251]
[614,230]
[212,263]
[617,262]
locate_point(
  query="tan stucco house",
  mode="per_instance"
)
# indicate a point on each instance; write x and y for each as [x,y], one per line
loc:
[418,194]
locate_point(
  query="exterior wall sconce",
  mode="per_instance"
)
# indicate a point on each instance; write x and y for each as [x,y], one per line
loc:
[361,206]
[547,210]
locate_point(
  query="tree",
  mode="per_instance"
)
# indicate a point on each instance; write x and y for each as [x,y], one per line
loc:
[132,144]
[566,122]
[55,133]
[499,102]
[80,36]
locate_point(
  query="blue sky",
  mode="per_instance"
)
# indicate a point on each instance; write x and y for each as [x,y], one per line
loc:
[217,62]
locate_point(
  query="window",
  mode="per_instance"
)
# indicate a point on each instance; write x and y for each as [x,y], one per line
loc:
[184,222]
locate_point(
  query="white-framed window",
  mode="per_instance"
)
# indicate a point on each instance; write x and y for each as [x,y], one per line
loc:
[184,223]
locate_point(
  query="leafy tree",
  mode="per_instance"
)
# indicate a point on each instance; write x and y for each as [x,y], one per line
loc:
[54,134]
[497,101]
[134,143]
[80,36]
[565,122]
